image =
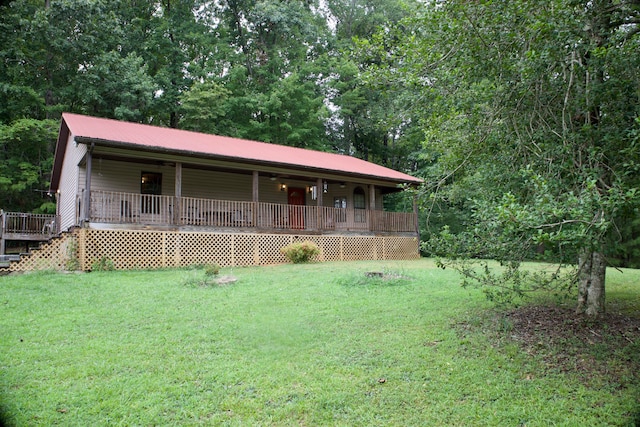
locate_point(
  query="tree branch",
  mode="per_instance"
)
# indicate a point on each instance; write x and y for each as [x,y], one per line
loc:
[561,223]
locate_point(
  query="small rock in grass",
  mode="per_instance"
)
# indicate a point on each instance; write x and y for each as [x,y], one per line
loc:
[225,280]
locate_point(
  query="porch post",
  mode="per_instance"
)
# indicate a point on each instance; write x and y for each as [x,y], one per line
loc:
[319,192]
[255,197]
[86,215]
[320,202]
[415,214]
[2,228]
[177,203]
[372,197]
[372,208]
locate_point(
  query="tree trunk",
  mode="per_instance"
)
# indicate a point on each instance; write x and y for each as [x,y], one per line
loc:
[591,278]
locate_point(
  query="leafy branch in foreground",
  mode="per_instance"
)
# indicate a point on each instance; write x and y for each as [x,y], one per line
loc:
[505,281]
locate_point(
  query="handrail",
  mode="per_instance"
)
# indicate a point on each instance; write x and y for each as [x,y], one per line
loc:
[28,223]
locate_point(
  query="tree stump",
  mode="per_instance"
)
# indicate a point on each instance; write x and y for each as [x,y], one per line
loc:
[225,280]
[374,274]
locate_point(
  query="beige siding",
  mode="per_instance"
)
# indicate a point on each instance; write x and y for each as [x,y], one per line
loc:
[336,191]
[110,175]
[379,199]
[236,186]
[69,183]
[270,190]
[216,185]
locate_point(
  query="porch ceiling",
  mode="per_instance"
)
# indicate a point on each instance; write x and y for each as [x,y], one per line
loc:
[242,169]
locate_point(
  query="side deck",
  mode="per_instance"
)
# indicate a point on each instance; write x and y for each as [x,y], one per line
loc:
[26,227]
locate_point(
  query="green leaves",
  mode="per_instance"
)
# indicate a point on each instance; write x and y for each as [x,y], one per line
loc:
[25,162]
[116,86]
[203,107]
[301,252]
[530,112]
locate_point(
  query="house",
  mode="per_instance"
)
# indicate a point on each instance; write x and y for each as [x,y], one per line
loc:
[150,197]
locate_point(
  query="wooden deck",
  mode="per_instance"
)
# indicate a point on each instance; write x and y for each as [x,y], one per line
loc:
[128,208]
[26,227]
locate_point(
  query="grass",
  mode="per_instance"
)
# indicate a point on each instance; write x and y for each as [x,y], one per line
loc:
[284,345]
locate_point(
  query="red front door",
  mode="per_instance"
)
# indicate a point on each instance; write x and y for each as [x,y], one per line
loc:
[296,208]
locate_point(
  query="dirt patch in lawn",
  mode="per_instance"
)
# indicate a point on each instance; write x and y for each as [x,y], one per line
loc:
[607,348]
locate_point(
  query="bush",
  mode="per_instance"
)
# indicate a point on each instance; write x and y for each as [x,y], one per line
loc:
[72,263]
[300,252]
[211,270]
[103,264]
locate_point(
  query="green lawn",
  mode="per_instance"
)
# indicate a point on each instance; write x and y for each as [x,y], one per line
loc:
[284,345]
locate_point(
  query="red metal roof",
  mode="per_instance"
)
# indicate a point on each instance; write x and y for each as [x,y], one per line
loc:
[153,138]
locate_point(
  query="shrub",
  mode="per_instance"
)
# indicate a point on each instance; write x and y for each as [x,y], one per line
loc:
[72,263]
[103,264]
[300,252]
[211,270]
[194,279]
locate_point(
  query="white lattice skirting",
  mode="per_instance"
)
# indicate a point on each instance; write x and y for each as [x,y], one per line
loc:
[129,249]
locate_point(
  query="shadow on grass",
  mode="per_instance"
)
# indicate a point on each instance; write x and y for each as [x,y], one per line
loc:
[598,352]
[636,418]
[4,419]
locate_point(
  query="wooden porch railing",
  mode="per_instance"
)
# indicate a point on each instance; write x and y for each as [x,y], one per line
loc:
[20,223]
[26,227]
[116,207]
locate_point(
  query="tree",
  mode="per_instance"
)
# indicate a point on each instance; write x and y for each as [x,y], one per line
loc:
[269,70]
[276,71]
[115,86]
[25,163]
[175,47]
[203,107]
[75,56]
[531,110]
[368,120]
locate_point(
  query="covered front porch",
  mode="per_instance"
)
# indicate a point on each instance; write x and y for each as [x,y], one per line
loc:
[134,209]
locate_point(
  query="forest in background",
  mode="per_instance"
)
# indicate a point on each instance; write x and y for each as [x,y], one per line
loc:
[521,116]
[283,72]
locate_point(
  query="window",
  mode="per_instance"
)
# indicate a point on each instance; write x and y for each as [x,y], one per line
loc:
[359,205]
[151,185]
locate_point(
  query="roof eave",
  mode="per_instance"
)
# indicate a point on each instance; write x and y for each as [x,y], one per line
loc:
[58,158]
[187,153]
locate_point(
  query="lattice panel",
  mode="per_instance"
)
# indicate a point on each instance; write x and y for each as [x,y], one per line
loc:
[126,249]
[332,248]
[268,248]
[396,247]
[199,248]
[52,255]
[131,249]
[244,248]
[362,248]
